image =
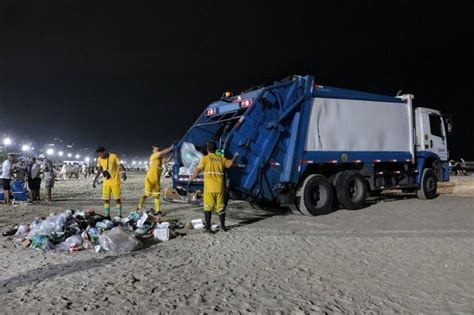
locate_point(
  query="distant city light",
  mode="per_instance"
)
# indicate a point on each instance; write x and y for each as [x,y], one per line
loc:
[78,156]
[7,141]
[25,148]
[87,159]
[50,152]
[134,162]
[60,153]
[95,159]
[69,155]
[140,162]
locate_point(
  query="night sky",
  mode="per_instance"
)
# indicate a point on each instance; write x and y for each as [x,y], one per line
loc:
[129,75]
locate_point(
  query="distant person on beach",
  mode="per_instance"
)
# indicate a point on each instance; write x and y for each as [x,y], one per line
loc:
[109,166]
[7,173]
[20,171]
[47,168]
[34,179]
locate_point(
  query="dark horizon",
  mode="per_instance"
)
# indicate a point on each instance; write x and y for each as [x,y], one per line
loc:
[128,76]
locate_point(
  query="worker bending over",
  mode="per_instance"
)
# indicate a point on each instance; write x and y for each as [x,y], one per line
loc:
[213,167]
[152,180]
[109,166]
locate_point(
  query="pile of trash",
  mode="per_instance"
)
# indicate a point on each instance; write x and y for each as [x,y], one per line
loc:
[77,230]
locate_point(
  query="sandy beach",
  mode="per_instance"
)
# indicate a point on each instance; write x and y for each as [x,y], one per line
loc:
[399,254]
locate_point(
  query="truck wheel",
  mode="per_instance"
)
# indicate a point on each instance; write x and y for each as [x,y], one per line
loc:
[351,190]
[315,196]
[428,185]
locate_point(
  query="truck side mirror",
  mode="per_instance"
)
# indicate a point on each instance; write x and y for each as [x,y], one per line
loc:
[448,121]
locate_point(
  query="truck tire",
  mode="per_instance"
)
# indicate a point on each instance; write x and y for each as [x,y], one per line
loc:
[351,190]
[428,185]
[315,196]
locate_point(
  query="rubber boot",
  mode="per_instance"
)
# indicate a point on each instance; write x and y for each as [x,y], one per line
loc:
[222,219]
[207,216]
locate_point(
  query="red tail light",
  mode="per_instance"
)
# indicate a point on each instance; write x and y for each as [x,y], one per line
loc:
[210,112]
[245,103]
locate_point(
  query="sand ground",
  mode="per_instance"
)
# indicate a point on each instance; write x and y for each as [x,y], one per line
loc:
[399,254]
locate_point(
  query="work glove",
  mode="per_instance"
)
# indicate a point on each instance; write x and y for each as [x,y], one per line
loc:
[93,185]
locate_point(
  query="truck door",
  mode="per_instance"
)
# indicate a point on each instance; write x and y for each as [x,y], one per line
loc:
[431,135]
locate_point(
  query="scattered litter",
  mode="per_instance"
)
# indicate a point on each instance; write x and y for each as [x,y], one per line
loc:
[117,240]
[22,230]
[197,224]
[10,232]
[72,231]
[162,232]
[71,241]
[142,220]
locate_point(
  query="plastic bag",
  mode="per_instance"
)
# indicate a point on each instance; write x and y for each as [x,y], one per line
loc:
[52,224]
[118,240]
[185,171]
[22,231]
[133,216]
[93,234]
[36,221]
[106,225]
[190,156]
[75,240]
[41,242]
[162,232]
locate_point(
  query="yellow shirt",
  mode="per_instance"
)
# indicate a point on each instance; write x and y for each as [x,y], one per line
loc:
[154,167]
[113,169]
[213,167]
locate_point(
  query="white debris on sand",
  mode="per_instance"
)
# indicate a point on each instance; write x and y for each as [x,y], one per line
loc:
[402,255]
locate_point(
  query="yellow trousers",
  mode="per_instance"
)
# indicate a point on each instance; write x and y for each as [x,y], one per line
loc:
[213,202]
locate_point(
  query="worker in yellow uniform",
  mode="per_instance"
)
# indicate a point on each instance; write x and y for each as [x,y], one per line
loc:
[109,166]
[152,180]
[213,167]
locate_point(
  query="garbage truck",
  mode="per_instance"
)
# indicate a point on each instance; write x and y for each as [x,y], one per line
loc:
[312,148]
